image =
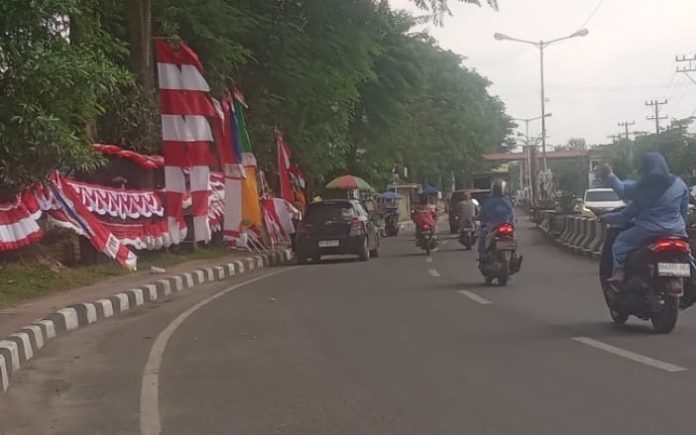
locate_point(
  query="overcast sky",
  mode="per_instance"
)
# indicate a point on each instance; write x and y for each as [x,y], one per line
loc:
[592,83]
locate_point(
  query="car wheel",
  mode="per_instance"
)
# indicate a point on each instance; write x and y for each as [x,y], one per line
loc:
[301,258]
[365,251]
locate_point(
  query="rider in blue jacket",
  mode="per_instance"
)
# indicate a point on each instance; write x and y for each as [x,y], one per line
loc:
[657,205]
[496,209]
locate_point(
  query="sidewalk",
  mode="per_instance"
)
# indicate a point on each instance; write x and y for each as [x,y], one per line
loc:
[14,317]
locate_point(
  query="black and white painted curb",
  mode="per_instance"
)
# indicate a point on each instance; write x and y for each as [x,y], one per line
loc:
[23,345]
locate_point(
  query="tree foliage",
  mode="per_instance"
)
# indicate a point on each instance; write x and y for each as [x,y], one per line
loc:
[676,143]
[350,84]
[51,83]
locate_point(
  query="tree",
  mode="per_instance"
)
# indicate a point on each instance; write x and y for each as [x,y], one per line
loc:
[51,87]
[441,7]
[574,144]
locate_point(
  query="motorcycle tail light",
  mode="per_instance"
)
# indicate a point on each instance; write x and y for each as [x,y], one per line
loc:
[677,245]
[505,230]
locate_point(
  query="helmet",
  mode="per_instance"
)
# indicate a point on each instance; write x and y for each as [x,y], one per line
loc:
[498,187]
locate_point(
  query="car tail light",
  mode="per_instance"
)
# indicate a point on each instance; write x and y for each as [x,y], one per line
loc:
[356,225]
[670,245]
[505,230]
[303,227]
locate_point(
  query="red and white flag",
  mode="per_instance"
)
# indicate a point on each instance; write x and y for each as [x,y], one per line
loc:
[186,136]
[284,168]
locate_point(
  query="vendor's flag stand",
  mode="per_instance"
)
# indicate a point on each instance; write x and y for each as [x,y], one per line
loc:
[186,136]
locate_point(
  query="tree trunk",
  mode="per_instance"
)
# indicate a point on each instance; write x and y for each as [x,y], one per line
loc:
[139,23]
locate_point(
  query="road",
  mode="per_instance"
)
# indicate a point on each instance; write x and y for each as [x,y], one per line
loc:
[404,344]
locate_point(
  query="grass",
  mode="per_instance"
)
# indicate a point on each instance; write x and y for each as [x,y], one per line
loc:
[26,280]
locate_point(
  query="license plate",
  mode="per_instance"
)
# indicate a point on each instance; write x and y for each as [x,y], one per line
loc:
[681,270]
[506,245]
[328,243]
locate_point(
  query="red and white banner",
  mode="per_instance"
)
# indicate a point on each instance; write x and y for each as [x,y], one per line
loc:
[186,135]
[18,226]
[119,203]
[284,168]
[66,206]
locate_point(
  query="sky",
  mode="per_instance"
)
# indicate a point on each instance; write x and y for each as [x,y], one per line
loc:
[592,83]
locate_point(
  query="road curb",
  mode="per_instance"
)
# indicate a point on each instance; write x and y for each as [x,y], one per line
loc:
[18,348]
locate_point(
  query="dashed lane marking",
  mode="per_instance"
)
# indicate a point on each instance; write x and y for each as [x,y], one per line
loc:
[474,297]
[627,354]
[434,273]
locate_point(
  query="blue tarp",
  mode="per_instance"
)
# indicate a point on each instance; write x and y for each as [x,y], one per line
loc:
[390,194]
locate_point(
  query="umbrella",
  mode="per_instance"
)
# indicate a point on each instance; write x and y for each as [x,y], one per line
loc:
[429,190]
[389,194]
[349,182]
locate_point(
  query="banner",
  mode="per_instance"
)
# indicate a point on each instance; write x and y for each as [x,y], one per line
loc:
[186,136]
[284,156]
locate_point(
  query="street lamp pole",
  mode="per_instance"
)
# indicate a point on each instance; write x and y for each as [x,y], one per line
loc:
[541,45]
[543,108]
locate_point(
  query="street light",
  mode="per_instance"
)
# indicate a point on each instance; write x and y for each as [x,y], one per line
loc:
[541,45]
[528,120]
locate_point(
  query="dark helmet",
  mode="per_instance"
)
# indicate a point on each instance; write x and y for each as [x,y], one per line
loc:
[498,187]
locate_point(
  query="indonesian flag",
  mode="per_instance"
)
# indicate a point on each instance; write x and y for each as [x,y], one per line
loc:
[186,136]
[284,168]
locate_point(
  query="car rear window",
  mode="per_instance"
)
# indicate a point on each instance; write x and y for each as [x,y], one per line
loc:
[601,196]
[337,212]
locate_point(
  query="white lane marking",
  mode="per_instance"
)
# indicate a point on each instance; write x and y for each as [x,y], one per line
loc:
[474,297]
[150,422]
[435,249]
[630,355]
[434,273]
[429,260]
[444,242]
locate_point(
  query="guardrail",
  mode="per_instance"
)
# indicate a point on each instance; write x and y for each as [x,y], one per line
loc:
[578,234]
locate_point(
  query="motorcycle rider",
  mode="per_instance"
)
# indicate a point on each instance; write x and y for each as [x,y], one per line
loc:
[495,210]
[658,205]
[468,210]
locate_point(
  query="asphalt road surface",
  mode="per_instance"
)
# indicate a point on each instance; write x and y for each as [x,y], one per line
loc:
[403,344]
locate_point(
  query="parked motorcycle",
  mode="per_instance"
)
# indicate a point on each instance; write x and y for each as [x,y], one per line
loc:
[427,239]
[657,281]
[500,260]
[468,233]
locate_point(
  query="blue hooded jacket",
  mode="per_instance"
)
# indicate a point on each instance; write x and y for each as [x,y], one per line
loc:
[496,210]
[658,203]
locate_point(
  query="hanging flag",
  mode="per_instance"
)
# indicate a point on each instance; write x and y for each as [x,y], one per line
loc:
[284,156]
[186,136]
[68,208]
[251,210]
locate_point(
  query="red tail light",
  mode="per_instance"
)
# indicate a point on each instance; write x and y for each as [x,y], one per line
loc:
[505,230]
[303,227]
[670,245]
[357,224]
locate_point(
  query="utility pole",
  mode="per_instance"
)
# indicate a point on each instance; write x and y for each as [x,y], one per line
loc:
[613,137]
[627,124]
[690,66]
[656,107]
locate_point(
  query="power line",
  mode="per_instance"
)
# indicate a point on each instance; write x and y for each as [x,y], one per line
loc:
[587,21]
[657,118]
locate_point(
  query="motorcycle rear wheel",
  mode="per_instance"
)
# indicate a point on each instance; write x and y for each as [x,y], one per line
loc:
[665,321]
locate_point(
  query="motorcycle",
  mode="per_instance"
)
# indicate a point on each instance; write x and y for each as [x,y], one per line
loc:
[391,222]
[468,233]
[657,281]
[500,259]
[427,239]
